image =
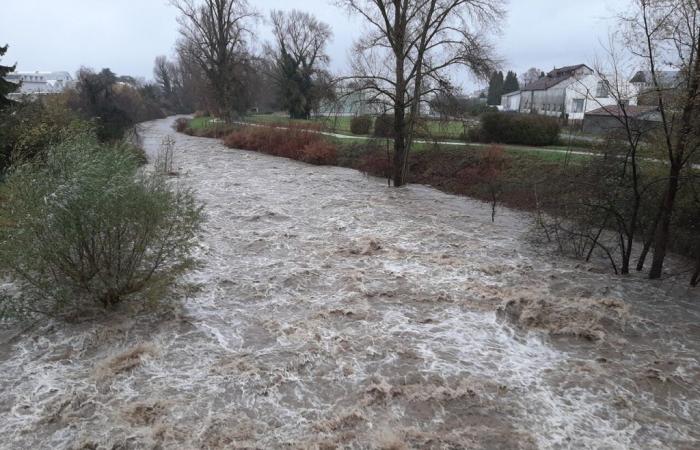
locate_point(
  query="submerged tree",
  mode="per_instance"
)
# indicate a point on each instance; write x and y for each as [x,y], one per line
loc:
[300,59]
[408,52]
[663,32]
[6,87]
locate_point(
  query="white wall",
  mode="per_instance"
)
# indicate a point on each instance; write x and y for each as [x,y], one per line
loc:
[511,102]
[567,94]
[586,89]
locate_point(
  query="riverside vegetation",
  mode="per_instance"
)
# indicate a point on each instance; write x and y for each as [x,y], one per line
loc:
[84,225]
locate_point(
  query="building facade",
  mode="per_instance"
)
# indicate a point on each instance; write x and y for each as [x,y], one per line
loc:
[40,83]
[568,92]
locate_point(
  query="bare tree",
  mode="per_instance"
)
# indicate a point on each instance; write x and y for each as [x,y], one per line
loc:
[667,32]
[163,76]
[215,35]
[300,57]
[533,74]
[408,52]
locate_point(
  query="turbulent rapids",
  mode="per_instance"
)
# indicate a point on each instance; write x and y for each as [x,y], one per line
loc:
[332,311]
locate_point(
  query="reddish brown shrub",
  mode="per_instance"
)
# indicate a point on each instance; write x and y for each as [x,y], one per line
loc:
[487,170]
[181,124]
[375,161]
[294,142]
[321,153]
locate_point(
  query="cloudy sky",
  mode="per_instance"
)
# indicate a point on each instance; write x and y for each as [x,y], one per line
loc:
[126,35]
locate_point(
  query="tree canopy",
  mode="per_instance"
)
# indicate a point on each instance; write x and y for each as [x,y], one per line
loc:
[300,58]
[511,83]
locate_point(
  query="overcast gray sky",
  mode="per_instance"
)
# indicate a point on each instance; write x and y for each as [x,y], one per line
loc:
[126,35]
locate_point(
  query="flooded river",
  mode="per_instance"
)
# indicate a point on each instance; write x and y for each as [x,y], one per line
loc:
[331,311]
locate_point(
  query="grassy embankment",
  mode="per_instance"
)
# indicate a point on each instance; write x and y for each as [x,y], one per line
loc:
[450,132]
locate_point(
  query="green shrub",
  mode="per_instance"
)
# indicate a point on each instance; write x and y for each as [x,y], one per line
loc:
[384,126]
[361,125]
[518,129]
[85,228]
[27,128]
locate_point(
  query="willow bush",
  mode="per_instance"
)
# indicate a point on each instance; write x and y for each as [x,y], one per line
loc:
[86,228]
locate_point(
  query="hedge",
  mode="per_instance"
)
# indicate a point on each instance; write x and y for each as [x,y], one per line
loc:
[519,129]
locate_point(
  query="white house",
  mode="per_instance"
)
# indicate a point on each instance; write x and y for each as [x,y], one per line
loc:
[38,83]
[511,101]
[567,92]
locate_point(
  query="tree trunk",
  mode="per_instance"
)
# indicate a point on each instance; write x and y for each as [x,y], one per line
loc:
[648,242]
[663,229]
[400,151]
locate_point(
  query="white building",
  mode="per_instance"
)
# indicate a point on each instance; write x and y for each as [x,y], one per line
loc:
[569,92]
[511,101]
[38,83]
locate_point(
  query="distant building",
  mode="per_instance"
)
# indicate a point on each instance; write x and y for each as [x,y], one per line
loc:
[609,119]
[40,83]
[643,80]
[510,101]
[568,92]
[353,101]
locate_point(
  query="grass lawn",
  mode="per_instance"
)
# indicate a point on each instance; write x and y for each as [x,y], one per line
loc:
[449,130]
[200,123]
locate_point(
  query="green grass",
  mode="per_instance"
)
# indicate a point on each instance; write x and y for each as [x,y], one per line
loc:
[450,130]
[200,123]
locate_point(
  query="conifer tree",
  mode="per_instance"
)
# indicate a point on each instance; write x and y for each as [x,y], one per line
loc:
[495,88]
[511,83]
[6,87]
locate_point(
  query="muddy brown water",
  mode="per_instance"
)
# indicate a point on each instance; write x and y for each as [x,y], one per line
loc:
[334,312]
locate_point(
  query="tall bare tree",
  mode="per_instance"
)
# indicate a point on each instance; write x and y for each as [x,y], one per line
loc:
[533,74]
[409,49]
[667,33]
[215,34]
[163,75]
[299,53]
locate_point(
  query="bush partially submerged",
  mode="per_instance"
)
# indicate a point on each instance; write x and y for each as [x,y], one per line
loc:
[181,124]
[86,228]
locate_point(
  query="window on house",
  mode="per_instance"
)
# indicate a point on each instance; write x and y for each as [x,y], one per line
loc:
[578,105]
[603,89]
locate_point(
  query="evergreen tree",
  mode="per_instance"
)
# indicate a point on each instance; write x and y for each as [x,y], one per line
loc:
[6,87]
[511,83]
[495,88]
